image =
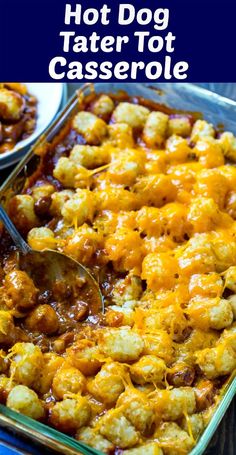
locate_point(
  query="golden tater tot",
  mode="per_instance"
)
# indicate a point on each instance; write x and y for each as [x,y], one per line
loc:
[24,400]
[143,196]
[70,414]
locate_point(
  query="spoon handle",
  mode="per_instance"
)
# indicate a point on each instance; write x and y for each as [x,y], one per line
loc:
[12,231]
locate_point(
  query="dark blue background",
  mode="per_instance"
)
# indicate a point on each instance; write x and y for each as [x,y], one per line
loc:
[205,31]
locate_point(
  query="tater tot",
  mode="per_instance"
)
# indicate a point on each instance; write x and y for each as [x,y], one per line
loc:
[172,404]
[58,200]
[203,214]
[170,318]
[180,126]
[91,437]
[79,208]
[124,249]
[205,285]
[224,248]
[41,238]
[26,363]
[132,114]
[202,129]
[65,171]
[177,149]
[24,400]
[229,172]
[155,129]
[197,255]
[185,174]
[228,336]
[91,127]
[174,222]
[103,106]
[122,344]
[117,429]
[211,183]
[21,291]
[155,190]
[52,363]
[148,369]
[42,191]
[70,414]
[90,156]
[117,199]
[214,313]
[160,270]
[126,167]
[158,344]
[198,339]
[11,105]
[209,153]
[84,356]
[21,211]
[174,439]
[84,235]
[108,221]
[126,289]
[148,220]
[137,409]
[67,380]
[156,162]
[108,383]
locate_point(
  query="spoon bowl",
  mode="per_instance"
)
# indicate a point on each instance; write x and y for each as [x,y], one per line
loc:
[55,272]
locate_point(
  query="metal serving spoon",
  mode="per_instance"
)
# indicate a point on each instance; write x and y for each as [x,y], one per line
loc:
[48,267]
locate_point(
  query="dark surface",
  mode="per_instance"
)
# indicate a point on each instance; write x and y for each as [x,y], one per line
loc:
[223,442]
[4,174]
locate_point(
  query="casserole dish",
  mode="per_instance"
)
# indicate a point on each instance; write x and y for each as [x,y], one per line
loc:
[177,96]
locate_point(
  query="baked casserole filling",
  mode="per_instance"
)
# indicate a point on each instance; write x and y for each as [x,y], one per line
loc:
[146,199]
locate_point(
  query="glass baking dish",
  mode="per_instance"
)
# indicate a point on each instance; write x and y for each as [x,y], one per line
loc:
[183,97]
